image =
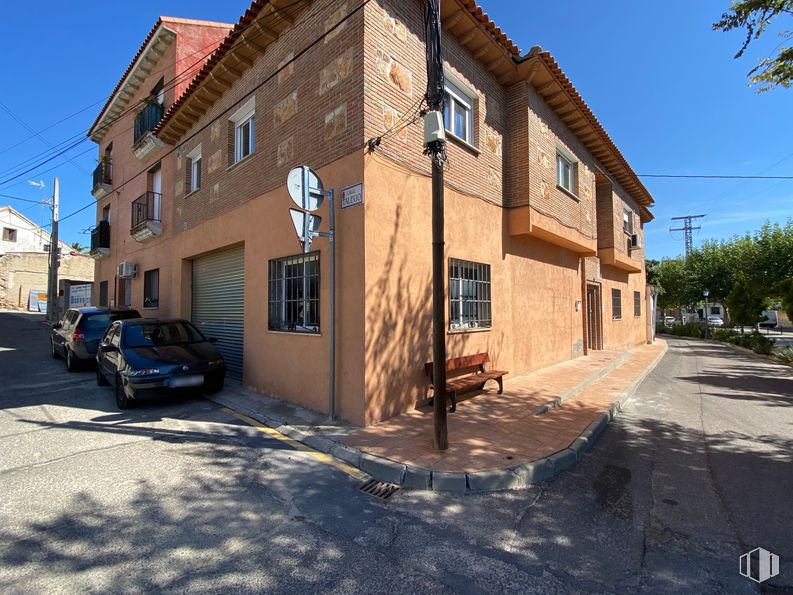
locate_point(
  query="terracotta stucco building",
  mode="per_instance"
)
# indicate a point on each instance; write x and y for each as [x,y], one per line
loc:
[544,216]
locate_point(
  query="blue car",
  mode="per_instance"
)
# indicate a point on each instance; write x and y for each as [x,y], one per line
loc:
[147,358]
[76,336]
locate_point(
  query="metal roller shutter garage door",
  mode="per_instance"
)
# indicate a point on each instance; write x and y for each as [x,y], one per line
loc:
[218,304]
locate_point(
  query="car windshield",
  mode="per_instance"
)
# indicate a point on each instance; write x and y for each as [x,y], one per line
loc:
[96,323]
[124,315]
[158,334]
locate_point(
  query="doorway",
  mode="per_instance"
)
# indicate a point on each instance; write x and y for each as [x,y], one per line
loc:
[594,317]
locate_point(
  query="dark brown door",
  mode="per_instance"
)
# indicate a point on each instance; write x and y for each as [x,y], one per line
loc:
[594,318]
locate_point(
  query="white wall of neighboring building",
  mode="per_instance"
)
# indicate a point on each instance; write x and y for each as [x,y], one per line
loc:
[29,237]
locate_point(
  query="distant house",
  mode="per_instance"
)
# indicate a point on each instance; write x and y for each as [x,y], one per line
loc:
[24,260]
[20,234]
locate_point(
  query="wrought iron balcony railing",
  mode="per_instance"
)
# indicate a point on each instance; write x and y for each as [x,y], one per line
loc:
[147,120]
[103,174]
[146,208]
[100,236]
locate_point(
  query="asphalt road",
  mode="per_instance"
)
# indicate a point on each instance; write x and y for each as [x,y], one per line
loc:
[184,497]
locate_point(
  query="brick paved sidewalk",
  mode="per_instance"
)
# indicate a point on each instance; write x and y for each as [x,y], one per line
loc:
[491,431]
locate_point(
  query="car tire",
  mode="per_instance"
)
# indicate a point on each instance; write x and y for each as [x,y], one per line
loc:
[100,379]
[71,361]
[122,400]
[53,351]
[214,386]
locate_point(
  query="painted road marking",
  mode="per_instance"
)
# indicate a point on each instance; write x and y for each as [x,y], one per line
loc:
[320,456]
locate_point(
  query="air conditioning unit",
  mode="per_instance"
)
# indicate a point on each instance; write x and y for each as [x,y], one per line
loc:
[636,241]
[127,270]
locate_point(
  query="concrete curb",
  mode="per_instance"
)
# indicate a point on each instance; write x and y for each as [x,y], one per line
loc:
[520,476]
[573,391]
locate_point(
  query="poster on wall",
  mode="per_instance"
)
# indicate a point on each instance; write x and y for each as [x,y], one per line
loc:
[37,301]
[80,295]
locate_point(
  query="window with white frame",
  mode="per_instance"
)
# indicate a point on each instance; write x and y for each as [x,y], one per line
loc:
[294,294]
[243,124]
[469,295]
[565,172]
[194,170]
[458,110]
[627,221]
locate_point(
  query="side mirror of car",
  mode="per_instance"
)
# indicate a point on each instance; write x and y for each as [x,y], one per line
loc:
[213,339]
[57,325]
[107,348]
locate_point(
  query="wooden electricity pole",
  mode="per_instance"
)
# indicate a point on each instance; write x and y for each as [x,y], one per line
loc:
[435,141]
[52,280]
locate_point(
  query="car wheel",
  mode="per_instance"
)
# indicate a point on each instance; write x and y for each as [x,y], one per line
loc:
[122,401]
[71,361]
[100,379]
[214,386]
[53,351]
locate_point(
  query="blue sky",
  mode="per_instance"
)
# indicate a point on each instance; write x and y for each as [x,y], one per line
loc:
[664,85]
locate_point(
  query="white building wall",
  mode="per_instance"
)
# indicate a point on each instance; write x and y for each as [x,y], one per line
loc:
[29,237]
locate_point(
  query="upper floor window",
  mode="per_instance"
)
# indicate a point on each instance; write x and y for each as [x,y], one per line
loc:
[565,172]
[158,92]
[627,221]
[194,170]
[9,234]
[243,126]
[469,295]
[458,111]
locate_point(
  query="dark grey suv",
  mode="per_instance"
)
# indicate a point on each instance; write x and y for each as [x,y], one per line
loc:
[77,335]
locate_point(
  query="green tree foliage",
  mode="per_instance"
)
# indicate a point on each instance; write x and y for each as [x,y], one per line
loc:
[672,278]
[711,267]
[784,289]
[745,303]
[765,258]
[78,247]
[755,16]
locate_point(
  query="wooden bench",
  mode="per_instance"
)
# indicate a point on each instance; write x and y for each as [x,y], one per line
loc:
[471,374]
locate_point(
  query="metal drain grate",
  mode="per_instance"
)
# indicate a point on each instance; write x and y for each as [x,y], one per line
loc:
[379,489]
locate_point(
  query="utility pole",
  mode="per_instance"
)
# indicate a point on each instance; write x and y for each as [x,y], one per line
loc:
[687,229]
[52,285]
[435,143]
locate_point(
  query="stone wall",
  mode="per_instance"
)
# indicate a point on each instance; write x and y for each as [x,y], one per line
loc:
[22,271]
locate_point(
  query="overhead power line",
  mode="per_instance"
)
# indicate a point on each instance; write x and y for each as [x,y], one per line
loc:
[234,105]
[179,78]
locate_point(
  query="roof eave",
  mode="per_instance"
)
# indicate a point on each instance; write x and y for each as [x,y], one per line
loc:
[154,45]
[550,82]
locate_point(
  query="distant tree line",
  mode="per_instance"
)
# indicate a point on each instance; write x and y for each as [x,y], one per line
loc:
[748,273]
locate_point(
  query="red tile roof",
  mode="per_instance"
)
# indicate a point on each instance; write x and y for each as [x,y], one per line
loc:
[160,21]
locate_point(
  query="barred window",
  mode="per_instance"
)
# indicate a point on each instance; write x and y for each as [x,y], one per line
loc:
[637,303]
[294,294]
[616,304]
[469,295]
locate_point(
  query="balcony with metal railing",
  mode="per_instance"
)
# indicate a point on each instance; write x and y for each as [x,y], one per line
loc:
[103,179]
[144,142]
[146,222]
[100,240]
